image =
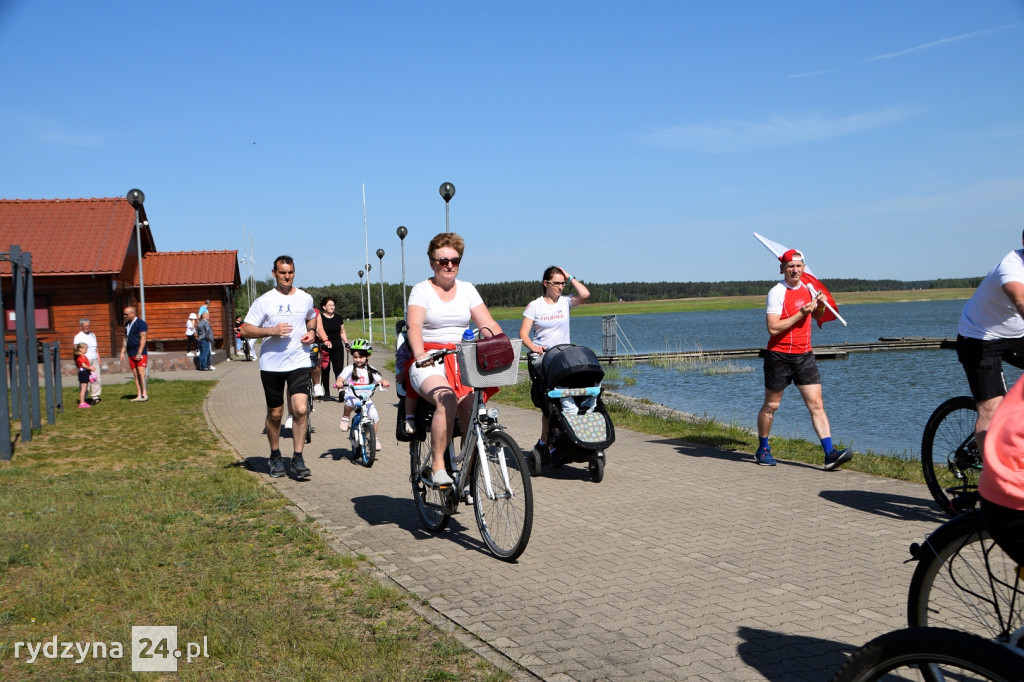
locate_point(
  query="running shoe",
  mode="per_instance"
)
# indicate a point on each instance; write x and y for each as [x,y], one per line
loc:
[288,422]
[300,469]
[318,391]
[836,458]
[764,457]
[276,467]
[438,479]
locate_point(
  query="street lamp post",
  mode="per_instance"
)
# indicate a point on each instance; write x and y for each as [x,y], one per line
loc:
[362,306]
[369,302]
[402,232]
[383,317]
[136,198]
[447,191]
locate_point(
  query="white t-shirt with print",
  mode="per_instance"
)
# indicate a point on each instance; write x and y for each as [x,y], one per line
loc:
[283,353]
[550,322]
[445,320]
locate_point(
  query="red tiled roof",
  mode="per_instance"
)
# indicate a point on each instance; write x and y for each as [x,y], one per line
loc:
[70,236]
[190,268]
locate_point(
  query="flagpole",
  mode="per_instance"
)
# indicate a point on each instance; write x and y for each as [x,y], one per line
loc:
[366,253]
[778,249]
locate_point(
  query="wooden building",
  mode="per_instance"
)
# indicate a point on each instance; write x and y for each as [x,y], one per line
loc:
[85,264]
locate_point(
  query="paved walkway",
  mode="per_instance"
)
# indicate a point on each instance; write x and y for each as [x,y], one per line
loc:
[685,563]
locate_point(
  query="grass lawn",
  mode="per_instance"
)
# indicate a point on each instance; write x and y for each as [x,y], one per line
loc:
[122,515]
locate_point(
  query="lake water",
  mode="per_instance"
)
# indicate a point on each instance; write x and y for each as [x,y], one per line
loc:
[876,401]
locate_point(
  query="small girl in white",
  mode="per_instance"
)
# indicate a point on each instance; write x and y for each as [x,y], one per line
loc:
[360,375]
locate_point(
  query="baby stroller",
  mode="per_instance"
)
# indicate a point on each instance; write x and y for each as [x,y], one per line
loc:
[571,372]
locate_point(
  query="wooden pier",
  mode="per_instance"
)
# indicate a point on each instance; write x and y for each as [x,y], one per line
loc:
[833,352]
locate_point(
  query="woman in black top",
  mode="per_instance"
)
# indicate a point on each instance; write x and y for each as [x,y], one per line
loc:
[334,327]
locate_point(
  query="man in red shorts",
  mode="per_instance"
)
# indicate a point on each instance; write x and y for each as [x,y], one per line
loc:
[791,307]
[135,333]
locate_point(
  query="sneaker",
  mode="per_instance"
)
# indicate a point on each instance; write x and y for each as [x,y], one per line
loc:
[300,469]
[438,479]
[81,405]
[318,391]
[380,446]
[764,457]
[288,422]
[276,467]
[343,425]
[409,427]
[837,457]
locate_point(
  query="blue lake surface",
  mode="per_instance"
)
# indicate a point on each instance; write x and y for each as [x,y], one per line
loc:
[876,401]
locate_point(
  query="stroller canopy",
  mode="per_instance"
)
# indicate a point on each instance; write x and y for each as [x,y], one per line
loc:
[570,366]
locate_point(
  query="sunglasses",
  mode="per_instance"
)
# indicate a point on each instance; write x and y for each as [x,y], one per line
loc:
[557,284]
[443,262]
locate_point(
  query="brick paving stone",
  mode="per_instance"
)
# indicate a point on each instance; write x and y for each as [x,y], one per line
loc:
[686,563]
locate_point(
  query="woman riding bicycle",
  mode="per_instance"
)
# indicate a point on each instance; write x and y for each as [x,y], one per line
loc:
[440,309]
[1002,477]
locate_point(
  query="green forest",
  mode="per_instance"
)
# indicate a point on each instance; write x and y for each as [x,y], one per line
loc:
[513,294]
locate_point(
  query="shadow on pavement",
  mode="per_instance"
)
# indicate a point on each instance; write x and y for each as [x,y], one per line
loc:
[379,510]
[777,656]
[884,504]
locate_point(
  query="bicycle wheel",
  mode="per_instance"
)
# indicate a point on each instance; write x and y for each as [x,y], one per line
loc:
[950,457]
[505,518]
[432,504]
[369,443]
[966,582]
[931,654]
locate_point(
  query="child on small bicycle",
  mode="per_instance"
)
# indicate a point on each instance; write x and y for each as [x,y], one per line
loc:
[360,375]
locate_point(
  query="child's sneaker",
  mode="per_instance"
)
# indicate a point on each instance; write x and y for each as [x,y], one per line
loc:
[835,458]
[409,427]
[764,457]
[80,405]
[343,425]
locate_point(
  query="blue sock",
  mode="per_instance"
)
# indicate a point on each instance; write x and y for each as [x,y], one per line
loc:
[826,443]
[763,443]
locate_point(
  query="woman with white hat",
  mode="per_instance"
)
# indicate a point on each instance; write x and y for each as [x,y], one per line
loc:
[191,347]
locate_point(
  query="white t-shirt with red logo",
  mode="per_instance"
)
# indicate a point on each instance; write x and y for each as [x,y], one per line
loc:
[550,322]
[786,303]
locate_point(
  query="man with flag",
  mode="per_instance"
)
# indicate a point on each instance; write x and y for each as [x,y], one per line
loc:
[791,305]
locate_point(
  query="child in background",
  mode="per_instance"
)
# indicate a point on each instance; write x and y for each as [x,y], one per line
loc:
[403,358]
[84,372]
[360,375]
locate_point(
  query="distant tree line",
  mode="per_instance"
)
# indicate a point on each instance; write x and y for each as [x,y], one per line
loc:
[351,298]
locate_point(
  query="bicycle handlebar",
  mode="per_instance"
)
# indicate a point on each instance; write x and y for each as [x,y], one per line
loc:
[434,357]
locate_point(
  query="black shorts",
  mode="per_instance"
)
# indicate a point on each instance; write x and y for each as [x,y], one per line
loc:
[782,369]
[983,362]
[1006,526]
[274,382]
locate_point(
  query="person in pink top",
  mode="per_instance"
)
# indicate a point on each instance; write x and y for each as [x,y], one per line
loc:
[1002,478]
[791,306]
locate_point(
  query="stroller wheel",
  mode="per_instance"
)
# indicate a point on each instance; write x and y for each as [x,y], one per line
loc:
[534,463]
[597,467]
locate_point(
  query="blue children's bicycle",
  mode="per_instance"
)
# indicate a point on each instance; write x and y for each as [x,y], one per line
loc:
[362,436]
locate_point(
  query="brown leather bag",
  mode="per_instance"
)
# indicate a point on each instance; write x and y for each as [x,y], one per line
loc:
[494,353]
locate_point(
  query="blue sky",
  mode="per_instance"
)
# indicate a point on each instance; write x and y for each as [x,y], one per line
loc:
[625,141]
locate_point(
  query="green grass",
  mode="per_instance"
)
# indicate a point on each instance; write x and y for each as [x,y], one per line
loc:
[684,305]
[134,514]
[707,431]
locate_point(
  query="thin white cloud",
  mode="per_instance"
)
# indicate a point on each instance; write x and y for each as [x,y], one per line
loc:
[973,35]
[809,74]
[731,136]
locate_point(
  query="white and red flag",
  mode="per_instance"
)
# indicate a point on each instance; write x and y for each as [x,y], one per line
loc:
[808,279]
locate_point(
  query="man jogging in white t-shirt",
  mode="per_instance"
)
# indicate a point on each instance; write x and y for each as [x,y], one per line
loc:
[284,317]
[991,330]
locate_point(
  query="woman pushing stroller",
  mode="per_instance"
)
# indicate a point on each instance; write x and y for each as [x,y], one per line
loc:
[548,318]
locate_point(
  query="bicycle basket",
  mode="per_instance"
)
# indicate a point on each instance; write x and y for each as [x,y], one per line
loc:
[473,377]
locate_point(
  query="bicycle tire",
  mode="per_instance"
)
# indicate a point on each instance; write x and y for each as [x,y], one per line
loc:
[937,653]
[951,585]
[431,503]
[948,449]
[506,521]
[369,444]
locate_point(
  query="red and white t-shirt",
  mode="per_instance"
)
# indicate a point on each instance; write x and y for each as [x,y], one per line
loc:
[785,303]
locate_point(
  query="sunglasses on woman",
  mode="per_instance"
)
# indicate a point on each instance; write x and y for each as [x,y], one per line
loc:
[443,262]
